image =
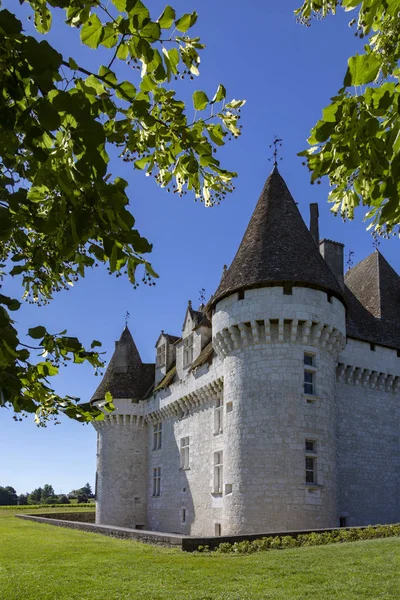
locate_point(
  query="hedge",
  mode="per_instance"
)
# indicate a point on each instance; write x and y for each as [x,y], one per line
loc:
[35,506]
[352,534]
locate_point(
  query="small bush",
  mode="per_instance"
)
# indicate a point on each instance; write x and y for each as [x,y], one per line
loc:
[308,539]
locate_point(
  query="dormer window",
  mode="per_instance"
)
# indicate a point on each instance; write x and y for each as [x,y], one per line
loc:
[161,356]
[188,350]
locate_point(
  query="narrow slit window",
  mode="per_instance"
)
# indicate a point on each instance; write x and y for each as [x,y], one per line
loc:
[218,416]
[218,472]
[157,436]
[157,481]
[184,453]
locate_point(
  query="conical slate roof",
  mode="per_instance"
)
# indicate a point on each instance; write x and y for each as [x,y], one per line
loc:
[376,285]
[126,376]
[373,297]
[277,248]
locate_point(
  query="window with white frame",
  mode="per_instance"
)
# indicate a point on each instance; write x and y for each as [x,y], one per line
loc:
[184,454]
[161,355]
[157,436]
[311,461]
[309,374]
[157,481]
[218,472]
[188,350]
[219,416]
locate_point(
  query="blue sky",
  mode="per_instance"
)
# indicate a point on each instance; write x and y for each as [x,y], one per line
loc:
[287,73]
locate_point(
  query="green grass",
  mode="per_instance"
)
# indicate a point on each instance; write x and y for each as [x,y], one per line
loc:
[43,562]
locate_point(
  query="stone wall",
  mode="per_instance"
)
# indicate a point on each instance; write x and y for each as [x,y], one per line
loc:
[368,425]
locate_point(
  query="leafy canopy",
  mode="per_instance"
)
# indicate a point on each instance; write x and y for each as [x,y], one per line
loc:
[61,210]
[357,141]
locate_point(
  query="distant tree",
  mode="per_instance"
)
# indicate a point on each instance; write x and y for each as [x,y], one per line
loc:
[47,492]
[8,496]
[86,490]
[35,497]
[63,499]
[51,500]
[82,499]
[22,499]
[356,144]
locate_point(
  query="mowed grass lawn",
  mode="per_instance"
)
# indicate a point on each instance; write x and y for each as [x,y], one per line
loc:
[46,562]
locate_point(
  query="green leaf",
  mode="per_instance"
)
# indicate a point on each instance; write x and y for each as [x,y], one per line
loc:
[219,95]
[37,332]
[362,69]
[167,18]
[92,31]
[119,5]
[126,90]
[186,21]
[8,23]
[200,100]
[73,64]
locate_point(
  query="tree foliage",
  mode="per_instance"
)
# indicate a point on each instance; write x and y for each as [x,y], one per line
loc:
[8,496]
[357,141]
[61,210]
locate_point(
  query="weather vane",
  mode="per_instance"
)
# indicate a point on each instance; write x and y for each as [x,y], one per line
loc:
[350,259]
[202,296]
[276,144]
[127,316]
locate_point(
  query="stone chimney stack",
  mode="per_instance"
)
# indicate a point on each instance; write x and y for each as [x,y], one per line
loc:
[314,224]
[333,255]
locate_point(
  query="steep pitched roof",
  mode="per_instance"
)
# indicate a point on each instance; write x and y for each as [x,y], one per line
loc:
[373,296]
[277,247]
[126,376]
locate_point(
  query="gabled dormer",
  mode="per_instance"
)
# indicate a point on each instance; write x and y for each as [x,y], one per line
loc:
[165,355]
[196,334]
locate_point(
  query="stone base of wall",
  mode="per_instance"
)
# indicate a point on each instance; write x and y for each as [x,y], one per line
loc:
[80,517]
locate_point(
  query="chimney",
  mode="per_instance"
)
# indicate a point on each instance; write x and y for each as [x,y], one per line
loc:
[332,252]
[314,225]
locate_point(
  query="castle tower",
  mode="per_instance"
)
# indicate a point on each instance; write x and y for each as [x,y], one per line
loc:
[279,324]
[121,439]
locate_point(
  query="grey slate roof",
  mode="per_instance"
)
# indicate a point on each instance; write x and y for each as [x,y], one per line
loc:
[373,297]
[277,247]
[126,376]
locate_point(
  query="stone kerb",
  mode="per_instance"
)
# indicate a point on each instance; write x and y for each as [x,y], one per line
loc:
[268,316]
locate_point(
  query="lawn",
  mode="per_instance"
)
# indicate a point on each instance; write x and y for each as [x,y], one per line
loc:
[44,562]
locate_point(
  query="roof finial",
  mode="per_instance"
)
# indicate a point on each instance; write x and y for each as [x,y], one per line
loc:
[189,303]
[202,296]
[277,143]
[127,317]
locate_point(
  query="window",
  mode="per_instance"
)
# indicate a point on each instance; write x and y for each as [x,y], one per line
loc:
[310,469]
[161,355]
[183,515]
[372,346]
[184,453]
[188,350]
[157,481]
[311,461]
[218,472]
[217,529]
[241,295]
[309,374]
[287,289]
[218,416]
[343,521]
[310,446]
[157,436]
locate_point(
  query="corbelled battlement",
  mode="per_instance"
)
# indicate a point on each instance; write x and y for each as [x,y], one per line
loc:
[279,331]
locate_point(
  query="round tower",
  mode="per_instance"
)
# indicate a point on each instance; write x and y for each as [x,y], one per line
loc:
[122,439]
[279,324]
